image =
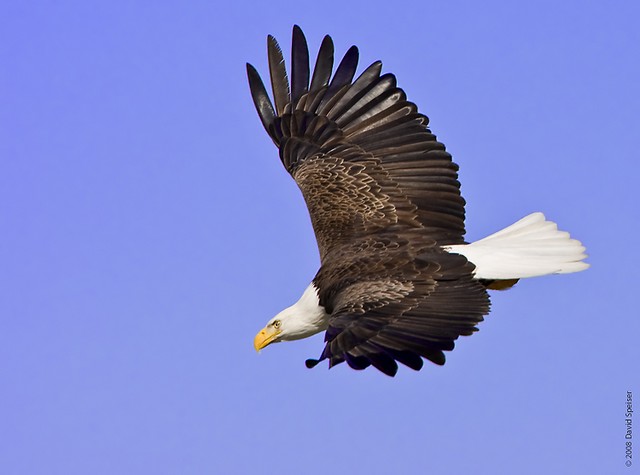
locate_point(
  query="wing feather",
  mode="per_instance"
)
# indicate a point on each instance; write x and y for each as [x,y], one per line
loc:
[324,65]
[260,98]
[363,86]
[279,80]
[300,65]
[344,73]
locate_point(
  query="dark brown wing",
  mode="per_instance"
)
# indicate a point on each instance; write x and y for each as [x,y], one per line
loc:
[337,134]
[383,196]
[413,303]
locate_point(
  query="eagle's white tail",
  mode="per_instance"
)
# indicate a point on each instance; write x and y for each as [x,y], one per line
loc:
[531,247]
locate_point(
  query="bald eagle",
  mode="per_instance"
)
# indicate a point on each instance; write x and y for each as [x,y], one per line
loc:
[397,281]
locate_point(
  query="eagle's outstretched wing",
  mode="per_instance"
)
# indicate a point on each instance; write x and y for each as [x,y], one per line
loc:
[360,152]
[406,302]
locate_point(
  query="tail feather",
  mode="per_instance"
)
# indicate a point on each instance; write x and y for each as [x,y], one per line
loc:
[530,247]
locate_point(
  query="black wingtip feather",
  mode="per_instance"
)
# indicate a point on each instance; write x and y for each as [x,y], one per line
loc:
[324,65]
[299,65]
[345,72]
[357,362]
[278,72]
[260,97]
[383,363]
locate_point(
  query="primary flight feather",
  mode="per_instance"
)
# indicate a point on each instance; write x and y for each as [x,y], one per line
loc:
[397,282]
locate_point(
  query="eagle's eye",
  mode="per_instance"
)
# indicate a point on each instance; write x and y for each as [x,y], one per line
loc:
[276,324]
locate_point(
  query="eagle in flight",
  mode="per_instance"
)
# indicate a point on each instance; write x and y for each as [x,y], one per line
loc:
[397,281]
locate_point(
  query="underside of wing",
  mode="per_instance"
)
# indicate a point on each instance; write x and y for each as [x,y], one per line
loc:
[417,313]
[361,131]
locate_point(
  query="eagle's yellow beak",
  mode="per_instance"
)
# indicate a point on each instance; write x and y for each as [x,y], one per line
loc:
[265,337]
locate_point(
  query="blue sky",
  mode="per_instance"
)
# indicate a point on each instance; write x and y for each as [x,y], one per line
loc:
[149,230]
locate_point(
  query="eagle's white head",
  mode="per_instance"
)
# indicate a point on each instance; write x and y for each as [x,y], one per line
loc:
[303,319]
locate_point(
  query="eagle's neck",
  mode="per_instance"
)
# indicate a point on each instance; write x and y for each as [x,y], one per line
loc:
[307,317]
